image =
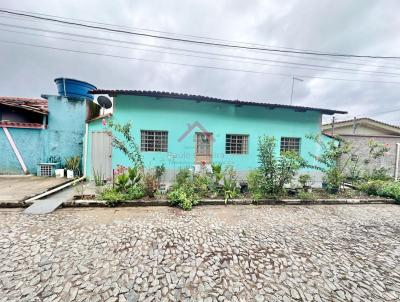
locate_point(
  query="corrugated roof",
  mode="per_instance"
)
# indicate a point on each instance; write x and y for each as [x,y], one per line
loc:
[34,105]
[184,96]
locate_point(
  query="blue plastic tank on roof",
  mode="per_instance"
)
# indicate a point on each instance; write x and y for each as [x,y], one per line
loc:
[74,88]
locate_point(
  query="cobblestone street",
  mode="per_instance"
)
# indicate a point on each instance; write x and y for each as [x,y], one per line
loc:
[233,253]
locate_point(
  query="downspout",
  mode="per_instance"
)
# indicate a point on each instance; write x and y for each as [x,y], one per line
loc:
[396,168]
[15,149]
[85,148]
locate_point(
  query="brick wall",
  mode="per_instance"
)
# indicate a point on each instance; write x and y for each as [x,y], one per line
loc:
[388,161]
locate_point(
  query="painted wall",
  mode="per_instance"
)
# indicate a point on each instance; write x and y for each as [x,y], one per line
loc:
[29,145]
[174,116]
[63,137]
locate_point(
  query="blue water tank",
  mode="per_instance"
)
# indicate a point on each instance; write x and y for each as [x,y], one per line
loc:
[74,88]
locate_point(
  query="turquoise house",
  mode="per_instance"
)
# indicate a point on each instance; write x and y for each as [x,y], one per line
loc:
[191,131]
[42,130]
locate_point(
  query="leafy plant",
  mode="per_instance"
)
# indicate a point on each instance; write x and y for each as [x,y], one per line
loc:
[134,175]
[126,142]
[121,182]
[255,183]
[150,183]
[184,197]
[329,160]
[159,172]
[379,174]
[182,176]
[112,196]
[275,171]
[230,188]
[98,178]
[135,192]
[305,180]
[307,196]
[390,189]
[202,184]
[73,163]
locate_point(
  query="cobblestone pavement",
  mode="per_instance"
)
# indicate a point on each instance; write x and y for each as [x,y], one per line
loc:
[234,253]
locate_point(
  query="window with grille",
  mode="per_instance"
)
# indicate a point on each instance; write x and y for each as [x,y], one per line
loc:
[154,141]
[236,144]
[290,144]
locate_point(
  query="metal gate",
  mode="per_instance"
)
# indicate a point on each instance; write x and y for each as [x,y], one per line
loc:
[101,154]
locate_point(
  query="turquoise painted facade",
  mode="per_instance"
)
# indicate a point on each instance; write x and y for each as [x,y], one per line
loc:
[175,115]
[63,136]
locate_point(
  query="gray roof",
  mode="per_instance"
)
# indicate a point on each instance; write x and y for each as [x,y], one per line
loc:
[184,96]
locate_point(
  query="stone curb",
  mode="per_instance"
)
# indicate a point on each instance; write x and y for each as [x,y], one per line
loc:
[206,202]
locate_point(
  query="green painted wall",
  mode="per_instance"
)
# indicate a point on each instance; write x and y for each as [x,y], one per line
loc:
[174,116]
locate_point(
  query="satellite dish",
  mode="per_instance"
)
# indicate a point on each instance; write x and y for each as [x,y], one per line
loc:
[104,102]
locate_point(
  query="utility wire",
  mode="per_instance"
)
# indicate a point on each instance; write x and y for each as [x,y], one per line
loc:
[195,41]
[297,65]
[194,51]
[163,32]
[194,65]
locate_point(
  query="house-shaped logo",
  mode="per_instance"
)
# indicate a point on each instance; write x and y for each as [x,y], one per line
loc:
[191,127]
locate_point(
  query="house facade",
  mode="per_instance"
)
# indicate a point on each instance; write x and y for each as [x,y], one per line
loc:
[360,131]
[34,130]
[188,131]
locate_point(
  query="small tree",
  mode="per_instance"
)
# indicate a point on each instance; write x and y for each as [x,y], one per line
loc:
[329,160]
[126,143]
[276,171]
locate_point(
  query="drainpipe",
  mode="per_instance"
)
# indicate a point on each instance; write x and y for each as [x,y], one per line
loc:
[15,149]
[85,149]
[396,168]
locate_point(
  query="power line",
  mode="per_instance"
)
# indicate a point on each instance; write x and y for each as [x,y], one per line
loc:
[194,65]
[203,52]
[170,33]
[195,41]
[297,65]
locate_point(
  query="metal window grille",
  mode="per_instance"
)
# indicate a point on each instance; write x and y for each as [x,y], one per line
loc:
[156,141]
[236,144]
[290,144]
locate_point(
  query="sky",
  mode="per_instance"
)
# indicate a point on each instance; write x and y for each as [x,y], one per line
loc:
[361,27]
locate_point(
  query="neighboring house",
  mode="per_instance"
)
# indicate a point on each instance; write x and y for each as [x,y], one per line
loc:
[187,131]
[34,130]
[360,131]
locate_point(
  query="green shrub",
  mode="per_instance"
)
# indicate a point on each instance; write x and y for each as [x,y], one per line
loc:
[183,196]
[121,182]
[134,175]
[307,196]
[390,189]
[254,182]
[182,176]
[276,171]
[230,188]
[371,187]
[135,192]
[203,184]
[305,180]
[379,174]
[112,196]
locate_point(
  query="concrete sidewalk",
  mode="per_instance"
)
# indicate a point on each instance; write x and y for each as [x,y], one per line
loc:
[15,189]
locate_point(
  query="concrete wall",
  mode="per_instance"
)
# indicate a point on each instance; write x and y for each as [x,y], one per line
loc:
[29,145]
[63,137]
[360,143]
[174,115]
